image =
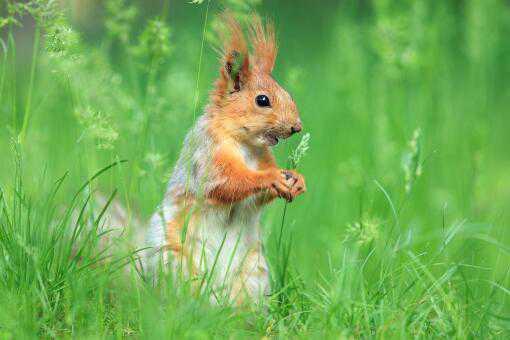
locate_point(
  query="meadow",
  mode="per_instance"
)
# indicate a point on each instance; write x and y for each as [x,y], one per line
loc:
[403,233]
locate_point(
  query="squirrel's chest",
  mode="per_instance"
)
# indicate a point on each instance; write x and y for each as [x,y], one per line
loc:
[249,157]
[243,214]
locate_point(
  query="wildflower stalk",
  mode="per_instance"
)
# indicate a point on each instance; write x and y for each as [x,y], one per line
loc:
[195,107]
[4,68]
[11,45]
[28,104]
[293,163]
[284,280]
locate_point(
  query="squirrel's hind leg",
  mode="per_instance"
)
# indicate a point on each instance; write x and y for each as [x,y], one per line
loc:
[253,282]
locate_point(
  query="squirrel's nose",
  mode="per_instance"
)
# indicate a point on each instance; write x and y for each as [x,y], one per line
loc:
[296,128]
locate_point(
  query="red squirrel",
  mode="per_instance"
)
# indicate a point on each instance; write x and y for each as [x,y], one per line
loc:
[208,222]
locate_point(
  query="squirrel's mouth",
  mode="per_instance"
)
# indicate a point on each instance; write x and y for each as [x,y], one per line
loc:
[271,139]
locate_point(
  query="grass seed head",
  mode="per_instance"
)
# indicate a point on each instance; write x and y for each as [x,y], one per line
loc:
[300,151]
[97,127]
[363,232]
[411,163]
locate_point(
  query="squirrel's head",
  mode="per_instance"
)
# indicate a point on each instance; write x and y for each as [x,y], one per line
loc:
[247,103]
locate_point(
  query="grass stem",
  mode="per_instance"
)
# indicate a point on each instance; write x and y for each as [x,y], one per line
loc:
[28,104]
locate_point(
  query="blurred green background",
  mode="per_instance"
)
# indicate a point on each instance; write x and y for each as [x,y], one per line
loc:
[407,104]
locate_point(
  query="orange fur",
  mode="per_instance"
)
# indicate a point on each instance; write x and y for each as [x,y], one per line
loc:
[264,44]
[174,227]
[174,232]
[240,181]
[239,132]
[236,119]
[233,43]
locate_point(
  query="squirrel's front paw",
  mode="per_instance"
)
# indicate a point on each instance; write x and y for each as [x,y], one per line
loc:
[288,184]
[296,181]
[281,185]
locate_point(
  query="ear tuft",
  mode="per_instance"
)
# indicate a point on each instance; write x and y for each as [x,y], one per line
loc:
[264,44]
[235,58]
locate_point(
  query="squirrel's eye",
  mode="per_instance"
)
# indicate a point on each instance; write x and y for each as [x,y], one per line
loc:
[262,101]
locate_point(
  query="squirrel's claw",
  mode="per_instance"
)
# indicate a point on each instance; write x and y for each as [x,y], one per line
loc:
[281,186]
[297,181]
[282,190]
[288,185]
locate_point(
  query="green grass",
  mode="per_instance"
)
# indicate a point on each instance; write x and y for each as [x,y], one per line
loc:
[403,231]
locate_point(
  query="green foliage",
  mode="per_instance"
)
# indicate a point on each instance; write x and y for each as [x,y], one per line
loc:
[46,253]
[97,127]
[120,19]
[154,41]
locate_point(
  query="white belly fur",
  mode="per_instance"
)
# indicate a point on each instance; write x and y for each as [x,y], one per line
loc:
[230,248]
[225,244]
[226,240]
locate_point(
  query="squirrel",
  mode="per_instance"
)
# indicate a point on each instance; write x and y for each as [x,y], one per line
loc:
[208,224]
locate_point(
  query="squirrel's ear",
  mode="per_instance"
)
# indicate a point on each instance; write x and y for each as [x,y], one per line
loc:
[264,44]
[235,69]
